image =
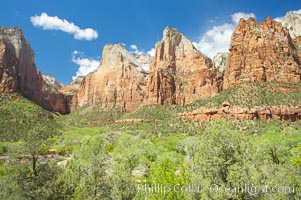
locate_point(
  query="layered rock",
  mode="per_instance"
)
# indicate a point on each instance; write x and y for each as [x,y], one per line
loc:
[261,52]
[118,82]
[57,102]
[18,72]
[179,73]
[73,87]
[297,43]
[53,99]
[236,112]
[71,92]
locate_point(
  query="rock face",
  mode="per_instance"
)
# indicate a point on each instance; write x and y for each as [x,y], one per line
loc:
[51,84]
[261,52]
[297,43]
[53,99]
[292,21]
[220,61]
[73,87]
[18,72]
[56,102]
[179,73]
[71,90]
[233,113]
[118,82]
[144,60]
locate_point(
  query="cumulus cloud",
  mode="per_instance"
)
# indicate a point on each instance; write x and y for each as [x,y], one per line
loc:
[217,38]
[135,50]
[86,65]
[54,23]
[134,47]
[237,16]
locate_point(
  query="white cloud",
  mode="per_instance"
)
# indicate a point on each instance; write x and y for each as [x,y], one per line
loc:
[278,19]
[237,16]
[151,52]
[55,23]
[86,65]
[217,38]
[134,49]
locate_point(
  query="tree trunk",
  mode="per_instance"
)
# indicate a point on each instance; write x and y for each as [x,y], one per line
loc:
[34,164]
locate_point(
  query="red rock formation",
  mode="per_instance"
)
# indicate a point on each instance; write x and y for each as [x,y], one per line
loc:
[236,112]
[118,82]
[70,91]
[297,43]
[73,87]
[8,68]
[261,52]
[57,102]
[179,73]
[18,72]
[135,121]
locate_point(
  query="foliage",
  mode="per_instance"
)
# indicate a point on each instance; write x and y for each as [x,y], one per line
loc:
[187,159]
[254,94]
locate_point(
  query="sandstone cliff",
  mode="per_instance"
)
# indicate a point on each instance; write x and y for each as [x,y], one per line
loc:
[179,73]
[73,87]
[118,82]
[236,112]
[261,52]
[18,72]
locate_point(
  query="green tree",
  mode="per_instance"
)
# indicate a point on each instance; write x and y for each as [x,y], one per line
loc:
[224,160]
[86,174]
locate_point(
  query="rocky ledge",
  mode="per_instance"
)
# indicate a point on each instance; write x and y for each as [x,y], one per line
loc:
[237,112]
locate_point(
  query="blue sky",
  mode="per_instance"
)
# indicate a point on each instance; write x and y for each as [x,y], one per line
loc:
[84,27]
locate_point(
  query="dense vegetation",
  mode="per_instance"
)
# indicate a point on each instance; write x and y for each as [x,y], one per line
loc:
[166,158]
[254,94]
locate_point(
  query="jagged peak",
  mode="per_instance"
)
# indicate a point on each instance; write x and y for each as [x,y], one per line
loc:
[10,31]
[15,36]
[168,29]
[111,52]
[168,32]
[292,14]
[292,21]
[51,79]
[269,18]
[243,21]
